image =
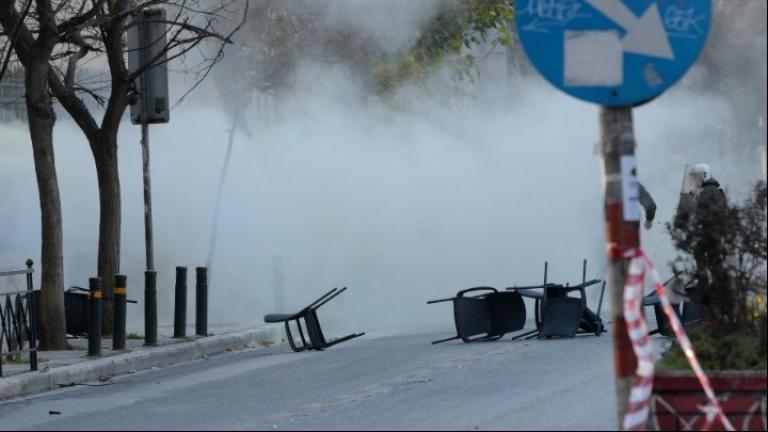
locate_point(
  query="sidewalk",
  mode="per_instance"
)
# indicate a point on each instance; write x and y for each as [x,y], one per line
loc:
[64,368]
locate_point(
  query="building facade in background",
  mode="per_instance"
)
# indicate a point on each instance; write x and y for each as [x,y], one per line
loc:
[12,106]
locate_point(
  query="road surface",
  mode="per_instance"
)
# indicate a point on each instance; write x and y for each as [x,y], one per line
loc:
[374,382]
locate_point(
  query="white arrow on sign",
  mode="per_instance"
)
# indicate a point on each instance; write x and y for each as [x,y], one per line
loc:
[645,35]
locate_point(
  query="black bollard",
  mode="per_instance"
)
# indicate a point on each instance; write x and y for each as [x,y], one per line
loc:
[180,312]
[201,303]
[32,319]
[118,325]
[150,308]
[94,324]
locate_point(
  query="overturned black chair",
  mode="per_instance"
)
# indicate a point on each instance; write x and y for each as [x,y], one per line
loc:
[311,323]
[559,315]
[486,316]
[591,322]
[688,312]
[564,316]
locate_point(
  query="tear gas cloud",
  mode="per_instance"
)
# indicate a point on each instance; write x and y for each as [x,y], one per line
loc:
[393,24]
[401,204]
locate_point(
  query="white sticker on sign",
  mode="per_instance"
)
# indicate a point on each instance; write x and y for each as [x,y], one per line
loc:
[593,58]
[630,189]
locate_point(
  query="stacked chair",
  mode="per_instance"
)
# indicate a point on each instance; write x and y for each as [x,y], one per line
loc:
[484,313]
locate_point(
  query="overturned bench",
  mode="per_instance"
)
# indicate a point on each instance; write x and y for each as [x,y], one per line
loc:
[311,323]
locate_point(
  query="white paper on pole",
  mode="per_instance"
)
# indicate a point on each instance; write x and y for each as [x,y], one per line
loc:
[630,189]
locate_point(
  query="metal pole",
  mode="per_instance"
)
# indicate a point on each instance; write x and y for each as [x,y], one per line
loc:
[150,276]
[617,140]
[201,303]
[32,335]
[94,324]
[180,312]
[118,326]
[144,44]
[148,240]
[150,308]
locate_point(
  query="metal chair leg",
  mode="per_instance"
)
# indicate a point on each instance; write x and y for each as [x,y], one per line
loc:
[534,335]
[301,333]
[537,313]
[289,336]
[335,294]
[528,333]
[342,339]
[446,340]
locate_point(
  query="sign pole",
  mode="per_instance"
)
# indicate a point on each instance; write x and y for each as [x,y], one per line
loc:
[146,43]
[150,276]
[148,238]
[617,141]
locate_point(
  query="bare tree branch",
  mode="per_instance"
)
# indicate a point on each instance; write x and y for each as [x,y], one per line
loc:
[6,8]
[69,80]
[80,19]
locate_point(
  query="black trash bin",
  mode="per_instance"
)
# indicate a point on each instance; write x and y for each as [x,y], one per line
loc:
[76,312]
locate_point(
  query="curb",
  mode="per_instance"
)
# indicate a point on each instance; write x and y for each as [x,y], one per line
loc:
[91,370]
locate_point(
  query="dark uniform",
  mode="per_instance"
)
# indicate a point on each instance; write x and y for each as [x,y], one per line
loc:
[707,213]
[649,205]
[711,208]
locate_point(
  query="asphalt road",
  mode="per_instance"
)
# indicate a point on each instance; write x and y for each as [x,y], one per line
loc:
[385,382]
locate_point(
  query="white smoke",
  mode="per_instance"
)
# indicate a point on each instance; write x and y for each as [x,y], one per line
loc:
[401,202]
[393,23]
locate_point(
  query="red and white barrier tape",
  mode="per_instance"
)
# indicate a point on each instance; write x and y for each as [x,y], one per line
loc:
[640,394]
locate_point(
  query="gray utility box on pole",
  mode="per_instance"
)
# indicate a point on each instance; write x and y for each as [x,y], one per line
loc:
[146,45]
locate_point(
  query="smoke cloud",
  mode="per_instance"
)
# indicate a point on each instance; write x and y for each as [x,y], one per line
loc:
[401,202]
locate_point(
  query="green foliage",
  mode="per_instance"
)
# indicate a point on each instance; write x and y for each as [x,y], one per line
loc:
[723,251]
[13,359]
[458,27]
[279,35]
[133,336]
[716,351]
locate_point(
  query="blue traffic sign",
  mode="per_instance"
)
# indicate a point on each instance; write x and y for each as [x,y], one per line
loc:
[613,52]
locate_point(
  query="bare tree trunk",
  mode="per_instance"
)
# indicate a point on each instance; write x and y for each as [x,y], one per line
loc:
[105,155]
[41,121]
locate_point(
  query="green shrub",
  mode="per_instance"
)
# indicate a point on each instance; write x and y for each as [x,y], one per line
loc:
[729,351]
[731,283]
